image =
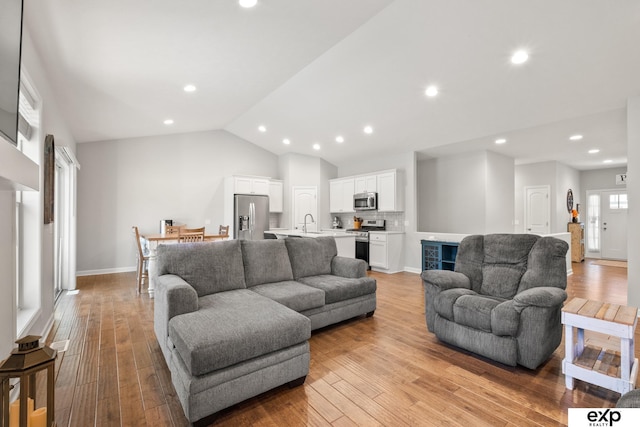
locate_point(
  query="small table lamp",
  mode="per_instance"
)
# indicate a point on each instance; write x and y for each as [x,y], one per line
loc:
[24,363]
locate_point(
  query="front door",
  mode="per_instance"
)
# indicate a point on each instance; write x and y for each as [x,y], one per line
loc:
[537,210]
[305,201]
[614,224]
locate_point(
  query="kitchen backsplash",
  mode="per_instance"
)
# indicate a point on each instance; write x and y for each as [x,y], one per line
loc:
[394,220]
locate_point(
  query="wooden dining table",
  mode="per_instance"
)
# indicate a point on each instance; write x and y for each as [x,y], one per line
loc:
[157,238]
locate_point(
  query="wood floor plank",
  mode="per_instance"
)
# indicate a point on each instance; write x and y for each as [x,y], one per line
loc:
[385,370]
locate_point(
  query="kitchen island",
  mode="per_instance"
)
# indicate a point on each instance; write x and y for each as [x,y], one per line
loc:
[346,243]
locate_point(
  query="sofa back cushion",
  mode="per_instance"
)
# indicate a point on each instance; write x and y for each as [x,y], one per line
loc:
[505,262]
[470,258]
[547,265]
[209,267]
[311,256]
[265,261]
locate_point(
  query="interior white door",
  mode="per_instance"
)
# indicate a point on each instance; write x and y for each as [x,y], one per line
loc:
[537,211]
[614,225]
[305,201]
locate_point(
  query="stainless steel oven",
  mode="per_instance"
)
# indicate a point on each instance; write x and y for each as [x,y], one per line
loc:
[362,236]
[365,201]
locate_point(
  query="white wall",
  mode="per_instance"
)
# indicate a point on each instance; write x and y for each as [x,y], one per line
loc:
[52,123]
[140,181]
[566,178]
[633,191]
[467,193]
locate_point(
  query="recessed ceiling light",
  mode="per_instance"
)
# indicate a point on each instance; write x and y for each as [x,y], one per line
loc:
[431,91]
[262,128]
[368,130]
[189,88]
[339,139]
[519,57]
[575,137]
[316,146]
[594,151]
[607,161]
[500,141]
[248,3]
[168,122]
[286,141]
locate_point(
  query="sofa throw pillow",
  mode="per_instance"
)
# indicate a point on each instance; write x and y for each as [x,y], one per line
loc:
[265,261]
[311,256]
[209,267]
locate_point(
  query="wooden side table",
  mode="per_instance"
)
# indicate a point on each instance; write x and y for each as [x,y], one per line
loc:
[607,368]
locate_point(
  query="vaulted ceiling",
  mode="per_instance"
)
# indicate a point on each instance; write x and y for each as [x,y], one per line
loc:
[309,71]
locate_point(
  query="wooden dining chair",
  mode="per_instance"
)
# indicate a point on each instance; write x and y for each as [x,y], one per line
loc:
[188,235]
[172,229]
[224,230]
[142,255]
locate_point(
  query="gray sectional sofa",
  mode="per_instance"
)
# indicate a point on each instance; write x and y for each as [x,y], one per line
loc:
[233,318]
[504,299]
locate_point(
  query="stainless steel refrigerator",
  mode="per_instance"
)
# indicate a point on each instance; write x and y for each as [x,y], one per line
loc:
[251,216]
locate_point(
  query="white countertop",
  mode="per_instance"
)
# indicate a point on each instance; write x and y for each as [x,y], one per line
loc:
[387,232]
[337,233]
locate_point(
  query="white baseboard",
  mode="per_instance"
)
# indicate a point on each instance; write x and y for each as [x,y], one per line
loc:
[105,271]
[412,270]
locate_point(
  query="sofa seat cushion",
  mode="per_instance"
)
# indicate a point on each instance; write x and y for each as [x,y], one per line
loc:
[474,311]
[234,326]
[444,301]
[340,288]
[292,294]
[209,267]
[265,261]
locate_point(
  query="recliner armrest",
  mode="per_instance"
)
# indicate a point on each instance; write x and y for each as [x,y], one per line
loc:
[545,296]
[348,267]
[445,279]
[176,295]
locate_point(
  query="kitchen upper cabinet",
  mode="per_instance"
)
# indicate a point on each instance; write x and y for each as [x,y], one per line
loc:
[390,191]
[341,195]
[366,184]
[250,185]
[275,196]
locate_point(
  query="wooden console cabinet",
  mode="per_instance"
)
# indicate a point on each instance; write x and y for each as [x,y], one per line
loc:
[577,241]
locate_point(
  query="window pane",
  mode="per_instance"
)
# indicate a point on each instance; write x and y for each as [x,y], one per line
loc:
[593,223]
[613,201]
[623,201]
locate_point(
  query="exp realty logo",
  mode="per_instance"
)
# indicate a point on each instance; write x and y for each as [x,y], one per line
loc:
[605,417]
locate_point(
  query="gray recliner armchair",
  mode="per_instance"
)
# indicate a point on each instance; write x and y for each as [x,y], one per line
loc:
[504,299]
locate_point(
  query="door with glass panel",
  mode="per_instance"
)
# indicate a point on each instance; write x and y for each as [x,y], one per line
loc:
[614,207]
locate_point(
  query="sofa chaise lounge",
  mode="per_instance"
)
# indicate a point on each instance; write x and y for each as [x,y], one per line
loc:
[233,318]
[504,299]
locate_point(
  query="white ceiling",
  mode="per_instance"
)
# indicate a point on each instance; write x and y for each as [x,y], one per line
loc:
[311,70]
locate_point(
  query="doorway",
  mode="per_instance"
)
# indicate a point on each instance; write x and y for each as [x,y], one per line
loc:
[64,223]
[537,211]
[305,201]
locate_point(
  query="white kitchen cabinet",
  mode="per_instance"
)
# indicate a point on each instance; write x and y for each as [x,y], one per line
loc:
[385,251]
[390,191]
[366,184]
[250,185]
[341,195]
[275,196]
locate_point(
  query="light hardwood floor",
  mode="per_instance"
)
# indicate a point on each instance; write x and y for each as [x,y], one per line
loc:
[385,370]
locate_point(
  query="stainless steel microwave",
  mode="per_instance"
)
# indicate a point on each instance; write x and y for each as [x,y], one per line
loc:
[365,201]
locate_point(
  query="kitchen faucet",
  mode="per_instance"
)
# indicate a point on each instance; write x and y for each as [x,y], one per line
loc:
[304,227]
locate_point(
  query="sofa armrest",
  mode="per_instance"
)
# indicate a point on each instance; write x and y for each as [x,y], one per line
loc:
[545,296]
[348,267]
[173,296]
[445,279]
